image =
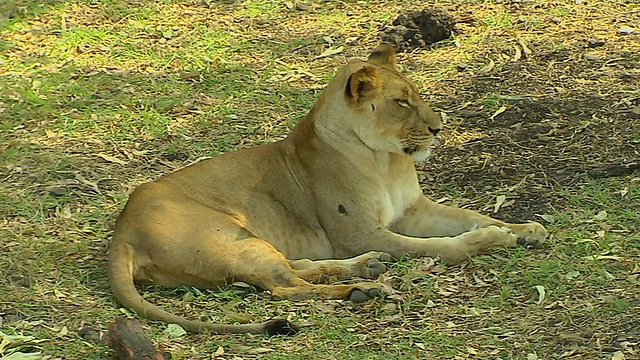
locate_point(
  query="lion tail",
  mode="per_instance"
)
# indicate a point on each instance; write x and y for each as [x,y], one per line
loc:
[122,284]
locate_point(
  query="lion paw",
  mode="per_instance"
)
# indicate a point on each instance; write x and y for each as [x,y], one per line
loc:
[374,265]
[368,292]
[374,268]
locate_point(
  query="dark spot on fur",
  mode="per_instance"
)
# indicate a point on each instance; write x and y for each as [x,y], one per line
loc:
[280,327]
[373,107]
[342,210]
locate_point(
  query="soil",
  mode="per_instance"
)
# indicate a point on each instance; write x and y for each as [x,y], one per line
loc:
[561,124]
[418,29]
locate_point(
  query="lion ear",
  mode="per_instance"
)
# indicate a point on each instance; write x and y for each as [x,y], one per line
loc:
[362,83]
[383,55]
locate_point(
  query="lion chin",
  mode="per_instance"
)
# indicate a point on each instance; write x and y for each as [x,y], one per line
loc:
[419,153]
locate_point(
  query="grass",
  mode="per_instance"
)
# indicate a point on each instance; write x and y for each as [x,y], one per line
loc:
[117,94]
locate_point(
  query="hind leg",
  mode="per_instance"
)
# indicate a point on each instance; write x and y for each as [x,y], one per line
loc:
[260,264]
[368,265]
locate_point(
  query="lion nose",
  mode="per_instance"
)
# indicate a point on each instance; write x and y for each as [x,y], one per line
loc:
[434,131]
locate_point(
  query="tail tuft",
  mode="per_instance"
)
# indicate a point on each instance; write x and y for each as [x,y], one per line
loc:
[280,327]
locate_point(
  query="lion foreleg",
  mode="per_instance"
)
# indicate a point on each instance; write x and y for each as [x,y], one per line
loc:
[425,218]
[450,249]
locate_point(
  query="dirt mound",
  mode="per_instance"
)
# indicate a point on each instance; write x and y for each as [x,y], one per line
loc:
[418,29]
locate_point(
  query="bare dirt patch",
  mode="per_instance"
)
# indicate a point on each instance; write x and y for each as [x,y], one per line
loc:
[419,29]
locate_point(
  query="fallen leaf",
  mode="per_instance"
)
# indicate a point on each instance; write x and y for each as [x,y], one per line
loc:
[623,192]
[219,351]
[600,216]
[174,331]
[625,30]
[608,275]
[547,217]
[167,34]
[487,68]
[10,344]
[63,331]
[572,275]
[618,355]
[111,159]
[525,49]
[499,201]
[330,52]
[541,293]
[91,184]
[23,356]
[259,350]
[498,112]
[604,257]
[241,318]
[50,134]
[518,53]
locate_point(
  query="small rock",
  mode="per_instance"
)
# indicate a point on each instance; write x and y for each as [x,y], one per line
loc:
[262,22]
[634,113]
[58,190]
[25,281]
[303,7]
[595,42]
[82,48]
[592,57]
[462,66]
[351,41]
[93,335]
[470,113]
[10,318]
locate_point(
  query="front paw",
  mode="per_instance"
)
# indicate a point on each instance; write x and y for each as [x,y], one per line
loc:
[530,234]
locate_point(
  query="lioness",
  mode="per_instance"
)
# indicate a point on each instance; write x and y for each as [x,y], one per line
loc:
[335,199]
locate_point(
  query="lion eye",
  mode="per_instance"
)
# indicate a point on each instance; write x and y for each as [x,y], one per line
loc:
[403,103]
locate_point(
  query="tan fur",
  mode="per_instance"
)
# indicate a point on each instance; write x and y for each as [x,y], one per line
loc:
[329,202]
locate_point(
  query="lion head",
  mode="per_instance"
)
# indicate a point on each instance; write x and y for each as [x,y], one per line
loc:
[382,107]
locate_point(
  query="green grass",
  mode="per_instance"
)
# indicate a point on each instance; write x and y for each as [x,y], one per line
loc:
[120,94]
[500,20]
